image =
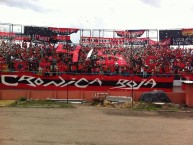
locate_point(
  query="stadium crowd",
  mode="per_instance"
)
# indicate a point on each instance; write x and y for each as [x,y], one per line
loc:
[146,61]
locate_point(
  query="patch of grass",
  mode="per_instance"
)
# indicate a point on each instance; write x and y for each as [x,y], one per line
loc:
[144,106]
[41,104]
[139,106]
[4,103]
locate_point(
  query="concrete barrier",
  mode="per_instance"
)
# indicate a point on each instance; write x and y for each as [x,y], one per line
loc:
[119,99]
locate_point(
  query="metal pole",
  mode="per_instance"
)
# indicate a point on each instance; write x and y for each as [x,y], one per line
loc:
[67,73]
[80,36]
[132,69]
[67,89]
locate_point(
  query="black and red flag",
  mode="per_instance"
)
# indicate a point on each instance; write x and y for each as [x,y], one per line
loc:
[63,31]
[130,33]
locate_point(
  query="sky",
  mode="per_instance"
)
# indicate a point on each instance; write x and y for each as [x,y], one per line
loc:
[99,14]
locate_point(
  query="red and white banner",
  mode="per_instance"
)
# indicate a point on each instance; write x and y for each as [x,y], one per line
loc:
[112,41]
[19,37]
[84,82]
[136,41]
[61,38]
[41,38]
[7,34]
[100,40]
[22,38]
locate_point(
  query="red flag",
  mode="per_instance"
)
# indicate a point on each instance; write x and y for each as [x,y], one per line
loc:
[109,62]
[100,52]
[121,61]
[165,42]
[60,49]
[76,53]
[152,42]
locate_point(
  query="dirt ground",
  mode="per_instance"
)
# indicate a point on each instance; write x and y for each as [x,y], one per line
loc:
[88,125]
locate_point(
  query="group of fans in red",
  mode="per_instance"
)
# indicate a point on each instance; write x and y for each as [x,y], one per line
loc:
[144,61]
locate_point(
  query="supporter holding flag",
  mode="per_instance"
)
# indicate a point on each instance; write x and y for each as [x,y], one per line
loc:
[89,54]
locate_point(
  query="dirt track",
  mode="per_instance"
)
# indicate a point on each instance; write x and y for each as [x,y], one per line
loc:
[86,125]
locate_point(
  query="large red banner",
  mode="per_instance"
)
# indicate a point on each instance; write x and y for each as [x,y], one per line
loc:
[22,38]
[85,82]
[7,34]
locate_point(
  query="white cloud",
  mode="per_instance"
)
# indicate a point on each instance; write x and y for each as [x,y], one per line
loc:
[100,14]
[154,3]
[24,4]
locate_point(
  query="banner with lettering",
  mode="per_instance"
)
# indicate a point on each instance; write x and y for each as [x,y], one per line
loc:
[21,37]
[119,42]
[33,30]
[42,38]
[49,34]
[62,38]
[178,37]
[86,82]
[63,31]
